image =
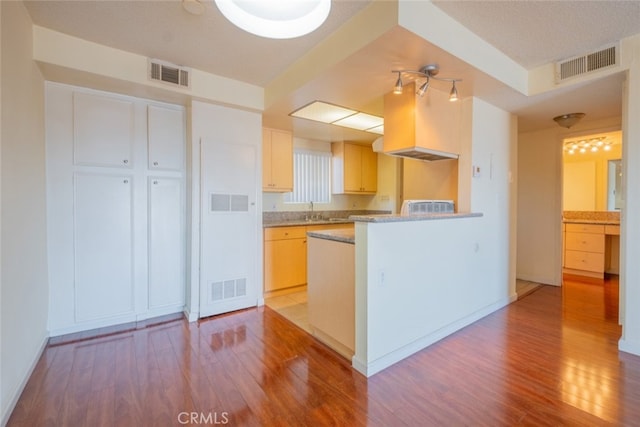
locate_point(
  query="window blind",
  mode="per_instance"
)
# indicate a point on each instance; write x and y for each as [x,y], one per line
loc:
[311,177]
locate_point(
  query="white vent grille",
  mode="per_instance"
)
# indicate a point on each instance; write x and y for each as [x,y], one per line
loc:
[168,73]
[227,289]
[229,202]
[579,65]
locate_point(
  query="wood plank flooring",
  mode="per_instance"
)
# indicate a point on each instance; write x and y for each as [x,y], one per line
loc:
[548,359]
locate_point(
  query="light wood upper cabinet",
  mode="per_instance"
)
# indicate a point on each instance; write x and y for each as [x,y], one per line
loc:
[355,169]
[277,160]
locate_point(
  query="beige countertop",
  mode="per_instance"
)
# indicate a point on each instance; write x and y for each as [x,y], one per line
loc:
[300,222]
[405,218]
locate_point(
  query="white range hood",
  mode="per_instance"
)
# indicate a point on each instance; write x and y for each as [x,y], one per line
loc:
[415,152]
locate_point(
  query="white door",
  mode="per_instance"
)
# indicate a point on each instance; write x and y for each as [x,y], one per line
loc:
[103,237]
[166,242]
[229,240]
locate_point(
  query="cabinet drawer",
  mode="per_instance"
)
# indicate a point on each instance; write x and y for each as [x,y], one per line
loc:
[587,261]
[329,226]
[282,233]
[585,228]
[586,242]
[613,230]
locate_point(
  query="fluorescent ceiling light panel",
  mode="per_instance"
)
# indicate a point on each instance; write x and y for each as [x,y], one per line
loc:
[360,121]
[378,129]
[323,112]
[336,115]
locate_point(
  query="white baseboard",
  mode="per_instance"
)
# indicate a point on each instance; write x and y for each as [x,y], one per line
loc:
[191,316]
[371,368]
[15,395]
[632,347]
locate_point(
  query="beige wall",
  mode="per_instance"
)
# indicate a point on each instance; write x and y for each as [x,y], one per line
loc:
[436,180]
[24,260]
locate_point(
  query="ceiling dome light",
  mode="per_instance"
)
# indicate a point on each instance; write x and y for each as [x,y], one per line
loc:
[276,19]
[568,120]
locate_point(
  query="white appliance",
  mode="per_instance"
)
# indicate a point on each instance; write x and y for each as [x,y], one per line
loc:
[420,207]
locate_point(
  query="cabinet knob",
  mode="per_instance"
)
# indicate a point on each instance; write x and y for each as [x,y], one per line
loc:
[155,163]
[286,234]
[126,181]
[125,161]
[155,182]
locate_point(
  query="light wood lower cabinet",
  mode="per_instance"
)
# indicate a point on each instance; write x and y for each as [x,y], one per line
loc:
[585,249]
[285,255]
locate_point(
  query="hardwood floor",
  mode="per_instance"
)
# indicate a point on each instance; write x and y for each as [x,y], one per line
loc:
[548,359]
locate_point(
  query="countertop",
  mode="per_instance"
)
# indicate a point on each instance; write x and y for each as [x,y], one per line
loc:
[343,235]
[591,221]
[405,218]
[299,222]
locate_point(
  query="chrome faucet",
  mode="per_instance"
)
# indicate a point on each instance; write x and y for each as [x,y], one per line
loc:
[311,203]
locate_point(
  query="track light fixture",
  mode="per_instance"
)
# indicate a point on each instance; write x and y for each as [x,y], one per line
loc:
[430,72]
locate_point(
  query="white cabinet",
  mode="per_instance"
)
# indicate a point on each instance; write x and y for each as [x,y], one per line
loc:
[103,131]
[166,138]
[166,242]
[103,235]
[116,221]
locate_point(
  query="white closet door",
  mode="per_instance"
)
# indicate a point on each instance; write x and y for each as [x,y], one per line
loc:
[103,246]
[228,273]
[166,242]
[103,131]
[166,138]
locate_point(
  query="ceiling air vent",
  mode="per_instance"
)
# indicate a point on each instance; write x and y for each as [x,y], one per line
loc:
[168,73]
[579,65]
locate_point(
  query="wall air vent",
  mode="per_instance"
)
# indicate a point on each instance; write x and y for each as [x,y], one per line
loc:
[169,73]
[228,289]
[584,64]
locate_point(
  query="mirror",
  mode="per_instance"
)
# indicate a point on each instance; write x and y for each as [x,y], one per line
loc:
[592,172]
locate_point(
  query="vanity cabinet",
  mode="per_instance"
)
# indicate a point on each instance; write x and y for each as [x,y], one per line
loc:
[285,256]
[591,249]
[355,168]
[277,160]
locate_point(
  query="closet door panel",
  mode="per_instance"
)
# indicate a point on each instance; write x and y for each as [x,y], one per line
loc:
[103,131]
[166,242]
[166,138]
[103,236]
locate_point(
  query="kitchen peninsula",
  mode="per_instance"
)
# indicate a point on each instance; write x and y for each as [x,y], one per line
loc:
[395,285]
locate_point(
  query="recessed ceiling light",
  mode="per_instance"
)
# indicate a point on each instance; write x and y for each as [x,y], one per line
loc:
[276,19]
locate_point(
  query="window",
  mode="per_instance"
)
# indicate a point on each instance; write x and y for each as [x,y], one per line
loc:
[311,177]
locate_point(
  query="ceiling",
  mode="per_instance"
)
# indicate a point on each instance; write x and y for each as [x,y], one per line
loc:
[532,33]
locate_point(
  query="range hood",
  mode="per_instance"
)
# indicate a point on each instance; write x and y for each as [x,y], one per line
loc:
[415,152]
[420,128]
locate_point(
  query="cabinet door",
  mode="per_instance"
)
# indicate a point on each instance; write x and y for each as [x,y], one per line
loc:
[369,170]
[352,168]
[103,131]
[103,238]
[166,242]
[285,263]
[281,160]
[165,138]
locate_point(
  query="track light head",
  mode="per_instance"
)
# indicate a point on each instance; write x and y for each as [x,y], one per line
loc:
[398,87]
[423,88]
[453,95]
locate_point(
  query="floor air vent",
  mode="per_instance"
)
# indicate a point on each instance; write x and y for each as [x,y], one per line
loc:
[579,65]
[228,289]
[168,73]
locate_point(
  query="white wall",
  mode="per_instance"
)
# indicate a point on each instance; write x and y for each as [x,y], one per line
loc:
[630,235]
[410,288]
[222,123]
[24,260]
